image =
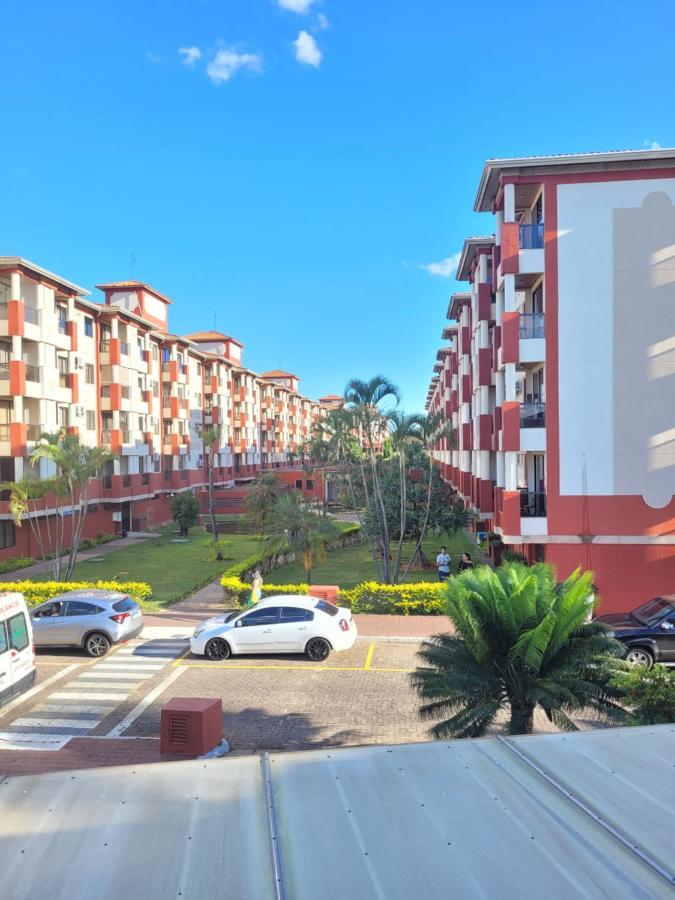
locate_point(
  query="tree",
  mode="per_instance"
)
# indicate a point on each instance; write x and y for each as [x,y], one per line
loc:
[521,641]
[75,466]
[264,492]
[294,526]
[211,434]
[434,427]
[363,398]
[185,511]
[404,430]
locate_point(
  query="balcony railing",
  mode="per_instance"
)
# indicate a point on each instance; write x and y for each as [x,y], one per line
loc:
[105,436]
[32,373]
[104,345]
[125,436]
[532,504]
[126,480]
[31,315]
[145,478]
[532,415]
[4,371]
[531,325]
[4,432]
[531,237]
[33,433]
[64,381]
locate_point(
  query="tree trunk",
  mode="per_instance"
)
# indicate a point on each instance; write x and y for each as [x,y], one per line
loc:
[522,718]
[382,508]
[418,547]
[212,504]
[403,517]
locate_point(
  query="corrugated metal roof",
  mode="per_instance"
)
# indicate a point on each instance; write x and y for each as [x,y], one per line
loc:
[590,815]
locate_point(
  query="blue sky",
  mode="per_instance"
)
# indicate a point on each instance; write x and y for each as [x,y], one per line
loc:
[292,172]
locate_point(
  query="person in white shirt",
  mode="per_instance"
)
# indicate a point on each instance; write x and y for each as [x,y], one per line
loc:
[443,564]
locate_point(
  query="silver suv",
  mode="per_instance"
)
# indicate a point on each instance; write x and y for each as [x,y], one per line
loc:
[93,620]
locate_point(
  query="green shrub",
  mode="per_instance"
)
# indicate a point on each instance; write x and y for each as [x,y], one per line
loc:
[104,537]
[36,592]
[649,693]
[88,544]
[12,563]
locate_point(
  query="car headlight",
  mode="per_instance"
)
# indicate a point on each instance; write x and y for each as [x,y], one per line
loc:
[198,631]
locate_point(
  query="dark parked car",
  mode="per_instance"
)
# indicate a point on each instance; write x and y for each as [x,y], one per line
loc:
[648,631]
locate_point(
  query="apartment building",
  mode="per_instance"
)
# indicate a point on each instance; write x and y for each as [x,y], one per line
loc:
[557,370]
[112,373]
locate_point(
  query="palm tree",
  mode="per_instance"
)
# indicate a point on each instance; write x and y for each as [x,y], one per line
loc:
[211,434]
[295,527]
[363,398]
[76,467]
[264,492]
[521,641]
[404,430]
[433,427]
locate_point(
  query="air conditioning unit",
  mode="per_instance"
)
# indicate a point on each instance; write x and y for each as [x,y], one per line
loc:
[79,411]
[75,363]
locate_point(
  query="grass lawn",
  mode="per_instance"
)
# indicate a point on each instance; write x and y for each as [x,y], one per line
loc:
[173,570]
[352,565]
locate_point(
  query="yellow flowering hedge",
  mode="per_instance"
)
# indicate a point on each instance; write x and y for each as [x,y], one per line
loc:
[36,592]
[424,598]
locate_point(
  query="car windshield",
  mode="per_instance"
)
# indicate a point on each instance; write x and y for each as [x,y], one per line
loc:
[125,605]
[653,611]
[327,607]
[232,615]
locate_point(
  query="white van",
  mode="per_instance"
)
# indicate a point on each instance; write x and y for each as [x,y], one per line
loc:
[17,652]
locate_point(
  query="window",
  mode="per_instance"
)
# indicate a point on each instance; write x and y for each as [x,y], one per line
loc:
[141,423]
[155,352]
[62,366]
[298,484]
[293,614]
[7,534]
[262,616]
[91,422]
[18,632]
[89,374]
[62,316]
[49,611]
[78,608]
[327,607]
[62,416]
[166,354]
[140,383]
[309,484]
[139,344]
[155,389]
[125,605]
[88,327]
[4,646]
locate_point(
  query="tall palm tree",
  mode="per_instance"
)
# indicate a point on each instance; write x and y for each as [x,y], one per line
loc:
[521,641]
[211,434]
[363,398]
[76,465]
[293,525]
[404,430]
[433,426]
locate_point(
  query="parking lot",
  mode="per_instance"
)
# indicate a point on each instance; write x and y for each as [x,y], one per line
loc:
[361,696]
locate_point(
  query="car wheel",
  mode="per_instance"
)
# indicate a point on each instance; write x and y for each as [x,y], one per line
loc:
[97,644]
[217,649]
[317,649]
[639,656]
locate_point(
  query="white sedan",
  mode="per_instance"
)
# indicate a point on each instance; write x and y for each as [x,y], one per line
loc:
[281,624]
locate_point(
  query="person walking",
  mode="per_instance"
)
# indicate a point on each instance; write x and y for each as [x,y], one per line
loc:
[443,564]
[256,588]
[465,562]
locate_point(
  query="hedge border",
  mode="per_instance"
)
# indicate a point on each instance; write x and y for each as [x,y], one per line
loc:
[36,592]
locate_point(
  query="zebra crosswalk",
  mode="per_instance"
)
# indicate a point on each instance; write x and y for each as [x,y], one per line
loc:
[80,706]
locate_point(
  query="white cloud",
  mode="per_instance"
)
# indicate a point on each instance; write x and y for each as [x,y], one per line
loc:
[446,268]
[189,55]
[322,22]
[296,6]
[652,145]
[153,57]
[227,63]
[307,50]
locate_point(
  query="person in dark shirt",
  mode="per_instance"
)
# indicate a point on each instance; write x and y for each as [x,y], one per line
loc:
[465,562]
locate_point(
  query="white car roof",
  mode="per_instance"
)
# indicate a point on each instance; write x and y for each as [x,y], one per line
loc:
[289,600]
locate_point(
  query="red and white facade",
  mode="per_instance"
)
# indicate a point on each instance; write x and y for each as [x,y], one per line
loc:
[112,373]
[558,370]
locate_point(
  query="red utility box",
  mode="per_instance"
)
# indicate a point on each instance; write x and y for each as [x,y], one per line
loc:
[191,725]
[328,592]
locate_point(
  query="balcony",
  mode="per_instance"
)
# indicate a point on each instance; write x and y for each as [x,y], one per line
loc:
[32,373]
[532,504]
[533,415]
[531,237]
[33,433]
[124,348]
[4,433]
[532,326]
[31,315]
[64,381]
